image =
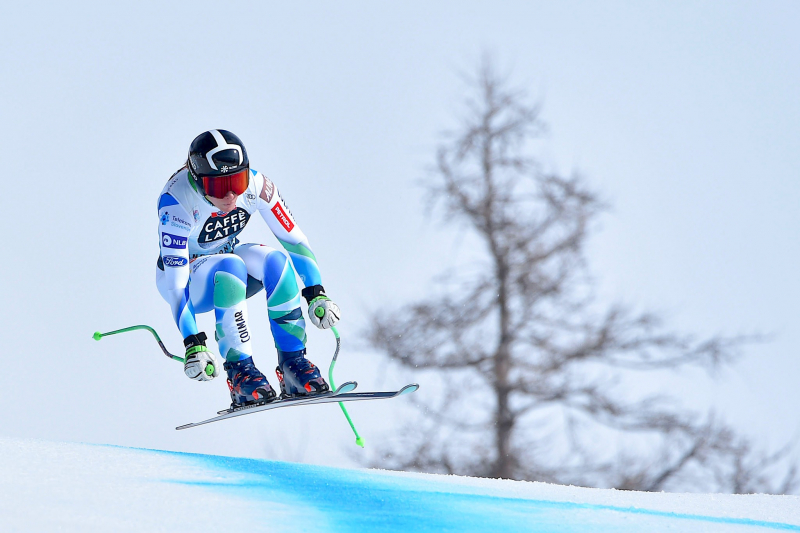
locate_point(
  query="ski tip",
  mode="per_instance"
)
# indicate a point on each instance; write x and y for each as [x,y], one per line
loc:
[97,336]
[408,389]
[346,387]
[184,426]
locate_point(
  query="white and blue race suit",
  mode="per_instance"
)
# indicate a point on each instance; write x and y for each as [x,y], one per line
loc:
[202,266]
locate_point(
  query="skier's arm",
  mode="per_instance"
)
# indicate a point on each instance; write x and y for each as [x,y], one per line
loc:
[174,228]
[322,312]
[282,224]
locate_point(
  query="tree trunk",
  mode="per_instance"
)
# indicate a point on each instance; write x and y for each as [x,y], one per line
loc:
[504,421]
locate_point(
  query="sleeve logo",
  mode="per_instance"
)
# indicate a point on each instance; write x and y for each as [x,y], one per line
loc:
[169,240]
[268,190]
[280,214]
[174,261]
[174,221]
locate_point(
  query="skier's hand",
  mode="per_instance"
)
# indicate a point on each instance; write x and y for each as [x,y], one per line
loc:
[323,313]
[201,363]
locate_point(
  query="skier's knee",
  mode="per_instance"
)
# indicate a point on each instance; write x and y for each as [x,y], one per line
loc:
[276,263]
[232,264]
[230,283]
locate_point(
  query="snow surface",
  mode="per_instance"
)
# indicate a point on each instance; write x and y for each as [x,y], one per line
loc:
[51,486]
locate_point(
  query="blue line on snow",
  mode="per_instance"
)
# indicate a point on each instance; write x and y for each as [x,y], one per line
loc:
[355,500]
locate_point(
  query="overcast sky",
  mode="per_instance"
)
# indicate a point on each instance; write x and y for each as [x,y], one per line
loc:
[684,115]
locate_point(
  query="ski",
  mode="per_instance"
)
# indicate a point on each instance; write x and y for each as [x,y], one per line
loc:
[254,408]
[342,394]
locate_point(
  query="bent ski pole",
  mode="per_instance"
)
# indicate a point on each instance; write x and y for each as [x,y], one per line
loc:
[97,336]
[359,440]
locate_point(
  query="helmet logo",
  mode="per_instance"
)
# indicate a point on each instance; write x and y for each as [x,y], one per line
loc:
[222,144]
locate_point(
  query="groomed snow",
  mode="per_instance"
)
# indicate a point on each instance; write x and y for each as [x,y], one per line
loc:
[50,486]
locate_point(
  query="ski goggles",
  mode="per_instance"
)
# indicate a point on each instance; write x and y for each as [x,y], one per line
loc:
[218,186]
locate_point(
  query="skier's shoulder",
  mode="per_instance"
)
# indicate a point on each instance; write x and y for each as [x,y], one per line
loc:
[177,191]
[262,185]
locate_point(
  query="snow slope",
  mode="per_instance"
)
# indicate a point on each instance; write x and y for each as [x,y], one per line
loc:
[48,486]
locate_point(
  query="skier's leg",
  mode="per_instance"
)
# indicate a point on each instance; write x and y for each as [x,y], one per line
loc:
[273,269]
[219,282]
[276,272]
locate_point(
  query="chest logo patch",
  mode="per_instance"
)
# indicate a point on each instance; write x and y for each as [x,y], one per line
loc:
[219,227]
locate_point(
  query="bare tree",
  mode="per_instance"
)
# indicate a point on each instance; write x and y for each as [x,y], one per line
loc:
[537,379]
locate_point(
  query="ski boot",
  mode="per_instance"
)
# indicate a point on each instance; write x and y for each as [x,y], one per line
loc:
[298,376]
[247,384]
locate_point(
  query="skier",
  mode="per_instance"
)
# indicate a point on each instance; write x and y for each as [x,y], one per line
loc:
[202,266]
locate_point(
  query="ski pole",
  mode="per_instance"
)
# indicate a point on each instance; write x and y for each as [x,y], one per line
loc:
[97,336]
[359,440]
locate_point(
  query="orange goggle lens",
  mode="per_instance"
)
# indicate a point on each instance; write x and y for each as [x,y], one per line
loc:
[218,186]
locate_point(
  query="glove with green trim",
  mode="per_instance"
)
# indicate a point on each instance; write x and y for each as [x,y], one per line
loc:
[201,363]
[322,312]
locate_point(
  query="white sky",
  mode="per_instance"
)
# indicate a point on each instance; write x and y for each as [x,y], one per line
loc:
[684,115]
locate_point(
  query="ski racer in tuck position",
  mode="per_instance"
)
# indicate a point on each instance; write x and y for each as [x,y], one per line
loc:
[202,267]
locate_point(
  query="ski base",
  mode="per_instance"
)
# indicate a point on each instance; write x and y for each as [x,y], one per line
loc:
[342,394]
